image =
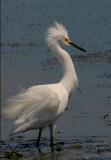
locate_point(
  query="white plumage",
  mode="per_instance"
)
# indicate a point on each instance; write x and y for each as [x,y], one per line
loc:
[40,106]
[36,107]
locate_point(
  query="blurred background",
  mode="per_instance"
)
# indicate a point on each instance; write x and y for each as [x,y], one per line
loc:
[26,60]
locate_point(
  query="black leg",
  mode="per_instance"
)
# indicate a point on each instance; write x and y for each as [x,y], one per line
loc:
[52,128]
[39,136]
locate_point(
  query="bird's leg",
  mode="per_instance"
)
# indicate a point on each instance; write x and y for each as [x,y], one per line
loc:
[39,136]
[52,129]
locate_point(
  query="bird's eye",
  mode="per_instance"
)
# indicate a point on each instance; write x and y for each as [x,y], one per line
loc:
[66,40]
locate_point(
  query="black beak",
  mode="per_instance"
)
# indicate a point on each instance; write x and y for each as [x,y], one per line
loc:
[76,46]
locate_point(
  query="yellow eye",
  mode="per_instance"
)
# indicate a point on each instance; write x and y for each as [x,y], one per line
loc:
[66,40]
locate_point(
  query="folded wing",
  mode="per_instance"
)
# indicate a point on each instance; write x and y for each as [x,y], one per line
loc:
[36,107]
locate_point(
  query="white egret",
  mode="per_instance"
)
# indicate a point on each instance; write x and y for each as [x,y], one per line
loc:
[40,106]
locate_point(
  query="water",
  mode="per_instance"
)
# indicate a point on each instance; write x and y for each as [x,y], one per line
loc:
[26,62]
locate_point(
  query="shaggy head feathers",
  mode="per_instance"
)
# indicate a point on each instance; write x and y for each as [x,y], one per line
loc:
[56,32]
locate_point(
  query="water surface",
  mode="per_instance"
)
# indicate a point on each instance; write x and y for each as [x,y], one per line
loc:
[84,131]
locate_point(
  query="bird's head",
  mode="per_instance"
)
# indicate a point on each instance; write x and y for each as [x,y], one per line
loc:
[58,32]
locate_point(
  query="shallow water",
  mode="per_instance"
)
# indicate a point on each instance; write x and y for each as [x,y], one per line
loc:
[76,148]
[84,131]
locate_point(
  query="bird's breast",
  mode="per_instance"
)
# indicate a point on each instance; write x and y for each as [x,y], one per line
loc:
[62,95]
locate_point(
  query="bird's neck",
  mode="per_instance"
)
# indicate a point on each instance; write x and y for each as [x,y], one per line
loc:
[69,79]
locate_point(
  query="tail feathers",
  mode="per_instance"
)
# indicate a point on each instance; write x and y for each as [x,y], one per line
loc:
[25,126]
[20,129]
[20,120]
[12,111]
[15,105]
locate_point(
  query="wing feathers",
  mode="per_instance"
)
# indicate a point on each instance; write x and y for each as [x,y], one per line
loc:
[35,106]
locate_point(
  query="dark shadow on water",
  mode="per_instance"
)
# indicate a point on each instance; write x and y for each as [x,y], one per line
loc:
[87,58]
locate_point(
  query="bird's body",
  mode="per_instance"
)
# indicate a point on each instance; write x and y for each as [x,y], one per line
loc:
[40,106]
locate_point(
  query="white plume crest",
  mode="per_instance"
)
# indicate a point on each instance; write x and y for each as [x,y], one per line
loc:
[56,32]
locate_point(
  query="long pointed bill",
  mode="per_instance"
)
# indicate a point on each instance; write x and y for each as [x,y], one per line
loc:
[76,46]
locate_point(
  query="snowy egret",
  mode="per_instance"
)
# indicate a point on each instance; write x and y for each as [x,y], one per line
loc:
[40,106]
